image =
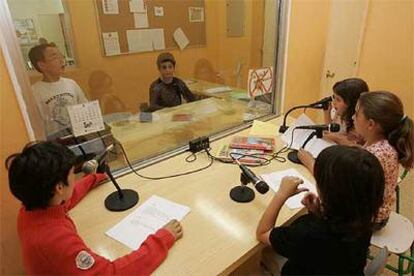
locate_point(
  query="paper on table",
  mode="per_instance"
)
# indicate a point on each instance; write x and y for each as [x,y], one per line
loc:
[137,6]
[141,20]
[314,146]
[158,39]
[110,6]
[146,220]
[218,89]
[111,43]
[274,179]
[263,129]
[180,38]
[139,40]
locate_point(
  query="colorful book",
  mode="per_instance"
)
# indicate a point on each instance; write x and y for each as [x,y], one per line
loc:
[253,142]
[245,156]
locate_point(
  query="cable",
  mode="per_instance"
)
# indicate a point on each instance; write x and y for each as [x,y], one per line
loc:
[255,155]
[163,177]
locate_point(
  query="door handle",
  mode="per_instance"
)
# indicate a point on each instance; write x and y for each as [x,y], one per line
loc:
[329,74]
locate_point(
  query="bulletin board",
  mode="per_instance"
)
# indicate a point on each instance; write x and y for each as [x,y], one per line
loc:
[176,14]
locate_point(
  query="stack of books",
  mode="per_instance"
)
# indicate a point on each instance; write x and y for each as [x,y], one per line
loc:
[247,149]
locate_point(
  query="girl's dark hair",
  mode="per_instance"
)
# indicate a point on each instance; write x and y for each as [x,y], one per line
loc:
[350,90]
[34,173]
[351,187]
[387,110]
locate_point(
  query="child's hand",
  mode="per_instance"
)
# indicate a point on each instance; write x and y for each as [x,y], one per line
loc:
[289,186]
[175,228]
[312,203]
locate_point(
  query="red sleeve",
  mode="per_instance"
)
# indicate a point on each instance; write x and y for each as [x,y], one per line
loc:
[69,255]
[83,186]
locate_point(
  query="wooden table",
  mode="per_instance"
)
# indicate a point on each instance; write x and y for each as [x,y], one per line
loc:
[219,234]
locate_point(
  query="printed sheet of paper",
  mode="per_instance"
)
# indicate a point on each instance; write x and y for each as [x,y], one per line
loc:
[195,14]
[110,6]
[180,38]
[274,179]
[260,81]
[137,6]
[141,20]
[158,41]
[111,43]
[139,40]
[218,89]
[158,11]
[314,146]
[85,118]
[260,128]
[146,220]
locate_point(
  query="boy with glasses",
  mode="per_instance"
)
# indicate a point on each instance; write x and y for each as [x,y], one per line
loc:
[53,93]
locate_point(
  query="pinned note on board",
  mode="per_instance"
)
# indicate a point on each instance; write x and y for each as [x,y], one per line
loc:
[111,43]
[137,6]
[110,6]
[158,11]
[141,20]
[139,40]
[180,38]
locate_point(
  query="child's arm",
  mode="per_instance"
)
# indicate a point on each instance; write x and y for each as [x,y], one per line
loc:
[339,138]
[307,159]
[288,188]
[154,95]
[83,186]
[70,254]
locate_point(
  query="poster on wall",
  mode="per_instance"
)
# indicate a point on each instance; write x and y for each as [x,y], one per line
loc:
[196,14]
[260,81]
[25,31]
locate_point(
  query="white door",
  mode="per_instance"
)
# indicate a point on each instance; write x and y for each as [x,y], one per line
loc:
[345,34]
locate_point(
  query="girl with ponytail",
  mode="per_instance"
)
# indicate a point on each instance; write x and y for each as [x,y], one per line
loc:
[389,134]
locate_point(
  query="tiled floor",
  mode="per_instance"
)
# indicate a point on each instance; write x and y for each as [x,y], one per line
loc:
[252,266]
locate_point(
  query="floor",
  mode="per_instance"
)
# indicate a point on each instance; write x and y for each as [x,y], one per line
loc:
[252,266]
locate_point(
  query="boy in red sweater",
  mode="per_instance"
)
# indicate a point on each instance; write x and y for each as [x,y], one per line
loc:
[42,178]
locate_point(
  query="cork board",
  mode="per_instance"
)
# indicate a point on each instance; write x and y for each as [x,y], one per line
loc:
[176,15]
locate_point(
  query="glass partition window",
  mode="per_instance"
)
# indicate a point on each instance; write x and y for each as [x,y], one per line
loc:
[164,72]
[41,21]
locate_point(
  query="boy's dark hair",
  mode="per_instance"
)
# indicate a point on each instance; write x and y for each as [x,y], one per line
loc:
[351,186]
[164,57]
[36,54]
[387,110]
[350,90]
[34,173]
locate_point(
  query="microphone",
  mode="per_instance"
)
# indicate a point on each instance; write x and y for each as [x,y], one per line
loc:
[258,183]
[322,103]
[92,165]
[330,127]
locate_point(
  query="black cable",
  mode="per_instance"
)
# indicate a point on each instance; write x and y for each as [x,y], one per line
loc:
[255,155]
[162,177]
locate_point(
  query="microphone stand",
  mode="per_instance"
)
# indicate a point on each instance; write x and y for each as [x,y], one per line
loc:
[293,155]
[242,193]
[121,199]
[284,127]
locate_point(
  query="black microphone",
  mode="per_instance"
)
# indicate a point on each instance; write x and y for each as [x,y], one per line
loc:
[330,127]
[322,103]
[258,183]
[92,165]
